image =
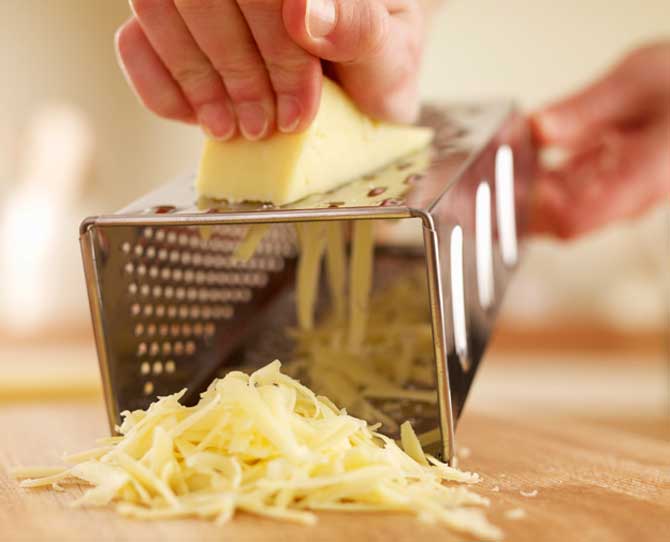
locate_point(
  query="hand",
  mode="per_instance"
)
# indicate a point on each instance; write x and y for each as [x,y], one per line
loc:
[253,66]
[617,135]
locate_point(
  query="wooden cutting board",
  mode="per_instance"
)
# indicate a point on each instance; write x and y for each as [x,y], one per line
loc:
[602,472]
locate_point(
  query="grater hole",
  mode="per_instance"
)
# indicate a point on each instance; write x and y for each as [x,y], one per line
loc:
[186,258]
[190,348]
[138,250]
[169,292]
[150,252]
[175,330]
[183,312]
[174,256]
[186,330]
[171,237]
[210,328]
[170,366]
[198,329]
[178,348]
[192,294]
[206,312]
[376,191]
[145,368]
[154,349]
[197,259]
[144,290]
[125,247]
[157,290]
[177,275]
[129,268]
[194,242]
[135,309]
[180,293]
[183,239]
[160,235]
[139,330]
[157,367]
[194,312]
[153,272]
[148,233]
[172,311]
[189,276]
[148,310]
[141,270]
[151,330]
[142,349]
[132,288]
[163,330]
[162,254]
[165,273]
[160,311]
[200,277]
[148,388]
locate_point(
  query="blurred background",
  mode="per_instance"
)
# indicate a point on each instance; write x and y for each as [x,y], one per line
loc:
[74,141]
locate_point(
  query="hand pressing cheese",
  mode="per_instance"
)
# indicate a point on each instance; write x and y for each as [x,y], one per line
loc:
[340,145]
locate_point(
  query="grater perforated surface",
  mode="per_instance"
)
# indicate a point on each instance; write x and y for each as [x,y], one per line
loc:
[171,308]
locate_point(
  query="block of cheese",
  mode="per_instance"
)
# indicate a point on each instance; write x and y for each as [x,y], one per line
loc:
[339,146]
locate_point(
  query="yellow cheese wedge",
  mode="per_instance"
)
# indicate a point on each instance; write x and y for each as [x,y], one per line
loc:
[340,145]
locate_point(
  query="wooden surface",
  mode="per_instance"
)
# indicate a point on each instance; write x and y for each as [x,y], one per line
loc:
[593,440]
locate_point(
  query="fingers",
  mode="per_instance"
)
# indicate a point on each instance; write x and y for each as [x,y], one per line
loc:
[148,76]
[220,30]
[190,68]
[621,180]
[295,74]
[375,45]
[626,93]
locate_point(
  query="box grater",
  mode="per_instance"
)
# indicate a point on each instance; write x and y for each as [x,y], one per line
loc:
[172,309]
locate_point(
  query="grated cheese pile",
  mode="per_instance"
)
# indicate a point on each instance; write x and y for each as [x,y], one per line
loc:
[263,443]
[395,351]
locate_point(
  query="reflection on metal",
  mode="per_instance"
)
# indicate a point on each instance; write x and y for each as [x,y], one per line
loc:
[484,244]
[458,297]
[505,204]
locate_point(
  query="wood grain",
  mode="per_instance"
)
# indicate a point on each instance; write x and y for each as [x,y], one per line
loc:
[599,477]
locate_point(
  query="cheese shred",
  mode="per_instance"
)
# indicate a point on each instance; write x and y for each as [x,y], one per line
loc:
[265,444]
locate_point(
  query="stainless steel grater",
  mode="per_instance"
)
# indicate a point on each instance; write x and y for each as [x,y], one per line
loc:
[171,308]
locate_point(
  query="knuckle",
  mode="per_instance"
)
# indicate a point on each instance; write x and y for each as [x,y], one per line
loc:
[197,6]
[372,34]
[199,82]
[292,74]
[124,38]
[245,80]
[145,8]
[192,75]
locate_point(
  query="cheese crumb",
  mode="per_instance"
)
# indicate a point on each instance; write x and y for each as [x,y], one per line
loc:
[529,493]
[515,513]
[464,452]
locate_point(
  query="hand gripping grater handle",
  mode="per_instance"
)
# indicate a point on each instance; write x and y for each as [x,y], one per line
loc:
[171,308]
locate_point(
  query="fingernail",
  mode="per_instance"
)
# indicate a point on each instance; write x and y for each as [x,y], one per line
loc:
[217,121]
[320,17]
[253,120]
[288,113]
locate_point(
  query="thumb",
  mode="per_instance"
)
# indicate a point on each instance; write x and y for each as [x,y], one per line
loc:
[348,31]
